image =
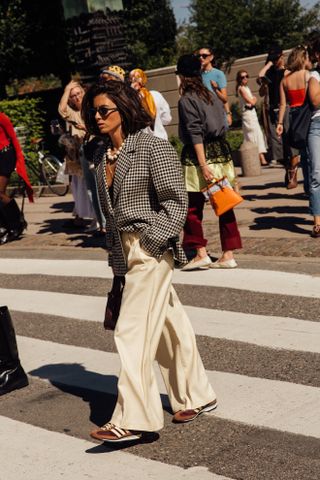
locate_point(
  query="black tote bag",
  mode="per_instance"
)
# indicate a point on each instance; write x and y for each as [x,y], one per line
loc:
[300,118]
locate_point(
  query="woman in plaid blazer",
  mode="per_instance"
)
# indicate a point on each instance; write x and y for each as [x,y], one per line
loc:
[144,200]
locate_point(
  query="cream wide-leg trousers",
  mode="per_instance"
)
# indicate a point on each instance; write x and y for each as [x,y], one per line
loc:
[153,325]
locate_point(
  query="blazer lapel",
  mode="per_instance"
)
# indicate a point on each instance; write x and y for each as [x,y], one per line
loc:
[124,163]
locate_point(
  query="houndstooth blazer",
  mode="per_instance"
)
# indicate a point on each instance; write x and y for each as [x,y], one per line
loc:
[149,197]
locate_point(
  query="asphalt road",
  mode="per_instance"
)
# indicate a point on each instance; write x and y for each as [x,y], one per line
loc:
[257,329]
[266,425]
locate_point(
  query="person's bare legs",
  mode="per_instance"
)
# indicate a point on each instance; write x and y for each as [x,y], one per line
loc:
[227,255]
[263,160]
[292,172]
[201,253]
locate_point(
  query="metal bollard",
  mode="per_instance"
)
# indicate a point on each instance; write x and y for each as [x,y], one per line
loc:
[249,159]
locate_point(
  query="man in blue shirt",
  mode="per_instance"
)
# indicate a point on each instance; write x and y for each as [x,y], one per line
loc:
[214,79]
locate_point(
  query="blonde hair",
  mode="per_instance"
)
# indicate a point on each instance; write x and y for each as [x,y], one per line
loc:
[297,59]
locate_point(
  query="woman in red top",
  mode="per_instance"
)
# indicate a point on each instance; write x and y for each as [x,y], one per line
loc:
[12,222]
[293,91]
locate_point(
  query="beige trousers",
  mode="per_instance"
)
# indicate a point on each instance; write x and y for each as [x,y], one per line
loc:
[153,325]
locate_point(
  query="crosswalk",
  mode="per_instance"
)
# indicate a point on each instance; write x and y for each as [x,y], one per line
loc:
[261,357]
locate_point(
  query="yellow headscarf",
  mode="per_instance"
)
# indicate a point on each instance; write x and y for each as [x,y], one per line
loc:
[137,75]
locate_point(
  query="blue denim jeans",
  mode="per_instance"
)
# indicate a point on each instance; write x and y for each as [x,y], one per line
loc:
[314,165]
[305,169]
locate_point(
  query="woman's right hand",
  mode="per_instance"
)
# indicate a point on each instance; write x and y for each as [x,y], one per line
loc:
[72,84]
[279,129]
[207,174]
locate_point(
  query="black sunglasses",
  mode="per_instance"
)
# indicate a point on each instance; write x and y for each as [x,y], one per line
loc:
[203,55]
[244,76]
[102,110]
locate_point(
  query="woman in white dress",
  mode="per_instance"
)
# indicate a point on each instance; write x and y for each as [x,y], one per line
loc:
[250,124]
[70,110]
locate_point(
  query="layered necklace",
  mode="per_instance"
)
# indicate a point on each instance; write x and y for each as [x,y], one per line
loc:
[113,157]
[111,162]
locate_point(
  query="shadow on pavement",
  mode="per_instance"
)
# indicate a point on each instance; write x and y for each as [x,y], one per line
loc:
[289,224]
[264,186]
[274,196]
[77,235]
[62,375]
[283,209]
[63,206]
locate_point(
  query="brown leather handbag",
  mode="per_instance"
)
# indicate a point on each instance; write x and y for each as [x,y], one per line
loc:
[114,303]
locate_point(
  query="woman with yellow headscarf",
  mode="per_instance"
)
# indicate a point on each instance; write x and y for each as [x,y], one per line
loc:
[153,102]
[138,81]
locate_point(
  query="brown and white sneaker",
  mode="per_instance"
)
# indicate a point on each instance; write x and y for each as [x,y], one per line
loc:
[112,433]
[184,416]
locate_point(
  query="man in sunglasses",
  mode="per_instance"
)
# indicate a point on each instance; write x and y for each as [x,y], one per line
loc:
[214,79]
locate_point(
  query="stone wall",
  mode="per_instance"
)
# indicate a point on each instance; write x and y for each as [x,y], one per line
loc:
[165,81]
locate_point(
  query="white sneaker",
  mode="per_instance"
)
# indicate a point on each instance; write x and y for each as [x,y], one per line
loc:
[226,264]
[202,264]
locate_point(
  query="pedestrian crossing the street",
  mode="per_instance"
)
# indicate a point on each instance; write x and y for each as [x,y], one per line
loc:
[258,332]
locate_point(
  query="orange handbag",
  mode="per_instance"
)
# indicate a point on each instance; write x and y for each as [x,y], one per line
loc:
[221,195]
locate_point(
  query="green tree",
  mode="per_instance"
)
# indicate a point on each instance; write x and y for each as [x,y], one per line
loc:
[32,40]
[151,30]
[14,53]
[250,27]
[47,39]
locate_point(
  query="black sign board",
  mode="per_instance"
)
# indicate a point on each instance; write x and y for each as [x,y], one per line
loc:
[98,39]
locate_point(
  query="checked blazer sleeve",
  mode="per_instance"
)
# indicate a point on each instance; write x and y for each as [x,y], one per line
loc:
[168,183]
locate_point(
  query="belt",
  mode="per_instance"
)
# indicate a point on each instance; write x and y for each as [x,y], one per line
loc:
[251,107]
[6,148]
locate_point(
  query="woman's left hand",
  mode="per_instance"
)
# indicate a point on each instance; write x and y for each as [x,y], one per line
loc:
[207,174]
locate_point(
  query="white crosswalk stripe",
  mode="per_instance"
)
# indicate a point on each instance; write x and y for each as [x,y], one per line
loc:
[69,458]
[267,281]
[267,403]
[258,402]
[269,331]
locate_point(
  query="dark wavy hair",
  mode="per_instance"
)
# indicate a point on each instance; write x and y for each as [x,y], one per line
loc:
[195,85]
[239,79]
[133,116]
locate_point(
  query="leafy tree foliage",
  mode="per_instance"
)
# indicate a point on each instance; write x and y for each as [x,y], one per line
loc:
[14,31]
[46,38]
[250,27]
[151,30]
[32,40]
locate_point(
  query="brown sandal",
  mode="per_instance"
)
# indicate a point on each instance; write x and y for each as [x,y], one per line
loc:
[184,416]
[111,433]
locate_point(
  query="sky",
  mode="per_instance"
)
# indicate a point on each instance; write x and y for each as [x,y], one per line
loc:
[181,11]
